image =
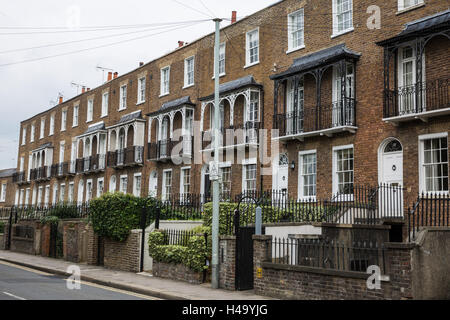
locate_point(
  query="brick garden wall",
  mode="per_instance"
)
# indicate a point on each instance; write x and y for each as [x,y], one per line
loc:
[124,256]
[227,266]
[176,272]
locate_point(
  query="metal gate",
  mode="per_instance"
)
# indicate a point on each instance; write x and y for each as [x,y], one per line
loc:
[244,258]
[56,242]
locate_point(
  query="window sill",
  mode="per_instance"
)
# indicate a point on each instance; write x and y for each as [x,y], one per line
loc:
[420,5]
[104,116]
[295,49]
[432,194]
[189,86]
[220,76]
[251,65]
[342,32]
[139,103]
[122,109]
[163,95]
[307,199]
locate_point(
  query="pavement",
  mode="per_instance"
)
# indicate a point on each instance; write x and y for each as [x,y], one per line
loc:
[142,283]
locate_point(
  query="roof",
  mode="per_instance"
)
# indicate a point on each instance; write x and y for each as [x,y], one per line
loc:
[412,29]
[95,128]
[172,105]
[235,85]
[130,117]
[4,173]
[317,59]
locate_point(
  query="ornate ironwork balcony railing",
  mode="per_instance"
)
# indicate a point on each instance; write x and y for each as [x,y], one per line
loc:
[338,114]
[246,133]
[418,98]
[19,177]
[130,156]
[42,173]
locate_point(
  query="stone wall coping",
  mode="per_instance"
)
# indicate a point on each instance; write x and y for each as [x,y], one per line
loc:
[328,272]
[354,226]
[136,231]
[262,237]
[227,237]
[399,245]
[292,224]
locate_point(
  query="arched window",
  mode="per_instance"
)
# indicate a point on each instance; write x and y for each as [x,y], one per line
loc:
[393,146]
[284,161]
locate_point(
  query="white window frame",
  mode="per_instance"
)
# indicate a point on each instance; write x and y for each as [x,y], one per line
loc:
[163,190]
[76,114]
[100,192]
[142,82]
[121,183]
[344,197]
[90,110]
[3,193]
[245,163]
[62,192]
[63,120]
[71,192]
[112,188]
[182,172]
[27,196]
[301,195]
[47,195]
[21,197]
[247,48]
[422,183]
[51,130]
[55,194]
[291,31]
[402,7]
[24,136]
[336,32]
[188,84]
[89,193]
[105,104]
[42,129]
[137,193]
[32,132]
[123,97]
[163,91]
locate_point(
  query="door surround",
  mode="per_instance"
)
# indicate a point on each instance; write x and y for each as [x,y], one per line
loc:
[381,153]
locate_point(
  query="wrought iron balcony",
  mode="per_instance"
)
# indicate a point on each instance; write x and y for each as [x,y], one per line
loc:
[164,150]
[237,135]
[19,178]
[41,174]
[317,121]
[91,164]
[421,100]
[128,157]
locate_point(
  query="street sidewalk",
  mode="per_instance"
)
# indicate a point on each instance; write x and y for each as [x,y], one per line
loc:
[139,283]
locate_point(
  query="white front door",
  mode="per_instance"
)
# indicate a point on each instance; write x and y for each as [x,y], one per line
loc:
[391,176]
[280,179]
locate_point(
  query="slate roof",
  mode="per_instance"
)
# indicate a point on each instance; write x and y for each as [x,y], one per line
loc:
[235,85]
[7,172]
[431,23]
[171,105]
[317,59]
[94,128]
[129,117]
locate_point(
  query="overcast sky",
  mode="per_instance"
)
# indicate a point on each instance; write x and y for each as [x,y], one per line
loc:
[28,88]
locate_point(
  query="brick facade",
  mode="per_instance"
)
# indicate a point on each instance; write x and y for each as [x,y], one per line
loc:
[124,256]
[176,272]
[272,23]
[227,266]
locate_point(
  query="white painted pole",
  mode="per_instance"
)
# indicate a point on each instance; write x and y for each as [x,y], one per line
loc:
[214,175]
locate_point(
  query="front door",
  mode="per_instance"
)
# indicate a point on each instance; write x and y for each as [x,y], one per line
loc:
[153,185]
[281,179]
[392,179]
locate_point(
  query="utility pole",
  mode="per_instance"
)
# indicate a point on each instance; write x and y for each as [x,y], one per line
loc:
[214,174]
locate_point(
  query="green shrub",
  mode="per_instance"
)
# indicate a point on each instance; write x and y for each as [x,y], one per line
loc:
[114,215]
[64,211]
[50,220]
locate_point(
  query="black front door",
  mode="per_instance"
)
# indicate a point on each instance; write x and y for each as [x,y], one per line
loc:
[244,258]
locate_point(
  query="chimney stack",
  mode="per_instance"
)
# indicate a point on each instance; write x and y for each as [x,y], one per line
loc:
[115,75]
[60,99]
[83,90]
[180,44]
[233,17]
[109,76]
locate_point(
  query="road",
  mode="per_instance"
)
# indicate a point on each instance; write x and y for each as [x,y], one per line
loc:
[20,283]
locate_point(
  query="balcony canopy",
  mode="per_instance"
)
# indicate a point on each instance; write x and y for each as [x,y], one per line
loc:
[241,83]
[130,117]
[317,59]
[429,25]
[173,105]
[95,128]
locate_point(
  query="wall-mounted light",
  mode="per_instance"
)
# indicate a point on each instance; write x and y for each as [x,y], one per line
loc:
[293,165]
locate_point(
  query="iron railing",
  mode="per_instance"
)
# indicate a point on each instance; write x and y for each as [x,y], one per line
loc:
[177,237]
[430,210]
[40,174]
[127,157]
[19,177]
[418,98]
[63,211]
[335,255]
[164,150]
[338,114]
[245,133]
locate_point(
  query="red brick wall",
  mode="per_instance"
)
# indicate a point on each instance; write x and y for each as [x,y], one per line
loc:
[124,256]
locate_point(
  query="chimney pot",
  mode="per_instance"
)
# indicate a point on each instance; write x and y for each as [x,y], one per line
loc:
[233,17]
[115,75]
[83,90]
[60,99]
[109,76]
[180,44]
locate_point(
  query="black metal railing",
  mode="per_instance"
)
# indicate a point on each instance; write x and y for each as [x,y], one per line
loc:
[335,255]
[42,173]
[244,133]
[37,212]
[417,98]
[130,156]
[430,210]
[177,237]
[338,114]
[19,177]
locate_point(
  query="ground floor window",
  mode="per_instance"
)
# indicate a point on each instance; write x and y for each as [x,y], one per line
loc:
[88,190]
[137,185]
[167,185]
[308,175]
[100,187]
[434,164]
[250,177]
[343,170]
[185,181]
[71,192]
[62,193]
[225,185]
[123,184]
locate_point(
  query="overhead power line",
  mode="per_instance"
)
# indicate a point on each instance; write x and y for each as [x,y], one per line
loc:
[93,48]
[196,10]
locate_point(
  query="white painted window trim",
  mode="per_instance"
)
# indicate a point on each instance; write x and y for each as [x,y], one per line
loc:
[62,195]
[245,163]
[75,123]
[90,112]
[111,188]
[135,193]
[98,186]
[300,180]
[335,32]
[164,93]
[224,44]
[3,192]
[105,106]
[71,192]
[63,120]
[290,30]
[334,167]
[89,181]
[121,185]
[247,49]
[401,6]
[186,78]
[122,102]
[163,190]
[32,132]
[422,138]
[182,178]
[51,130]
[27,196]
[42,129]
[139,98]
